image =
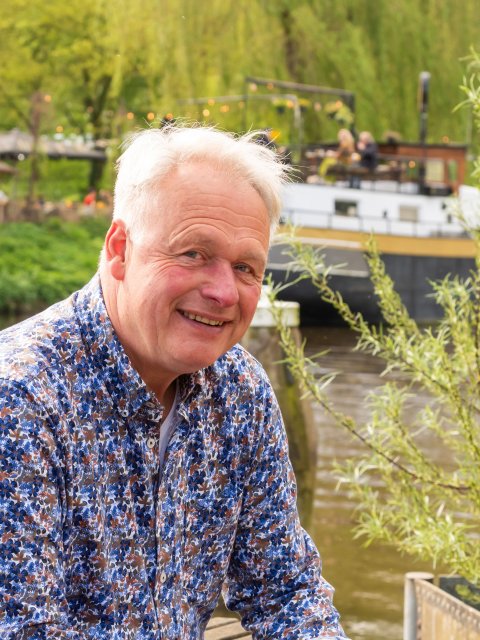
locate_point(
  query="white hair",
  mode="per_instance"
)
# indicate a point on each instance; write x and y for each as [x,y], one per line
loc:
[152,154]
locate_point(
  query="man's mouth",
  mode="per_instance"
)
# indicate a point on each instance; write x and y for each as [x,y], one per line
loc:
[212,323]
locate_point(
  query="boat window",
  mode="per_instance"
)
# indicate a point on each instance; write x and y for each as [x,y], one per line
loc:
[434,170]
[346,208]
[408,213]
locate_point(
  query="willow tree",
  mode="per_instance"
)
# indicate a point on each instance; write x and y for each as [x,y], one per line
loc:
[74,62]
[211,50]
[111,66]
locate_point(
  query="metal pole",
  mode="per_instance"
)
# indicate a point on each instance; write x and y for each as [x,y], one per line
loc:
[423,97]
[410,616]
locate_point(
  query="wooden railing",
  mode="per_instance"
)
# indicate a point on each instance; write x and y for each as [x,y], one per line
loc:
[384,171]
[430,613]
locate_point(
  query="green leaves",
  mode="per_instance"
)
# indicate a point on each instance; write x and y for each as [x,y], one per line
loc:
[140,57]
[427,506]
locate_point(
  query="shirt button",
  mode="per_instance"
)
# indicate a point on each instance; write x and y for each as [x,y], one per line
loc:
[163,577]
[151,443]
[123,413]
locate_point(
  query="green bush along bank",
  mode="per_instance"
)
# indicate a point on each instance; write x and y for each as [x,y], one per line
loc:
[42,263]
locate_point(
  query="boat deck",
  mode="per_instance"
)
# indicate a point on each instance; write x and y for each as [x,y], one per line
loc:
[225,629]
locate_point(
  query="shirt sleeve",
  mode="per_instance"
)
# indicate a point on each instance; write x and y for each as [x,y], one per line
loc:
[32,589]
[275,580]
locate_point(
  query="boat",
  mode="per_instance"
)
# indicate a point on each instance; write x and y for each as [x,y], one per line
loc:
[406,201]
[408,205]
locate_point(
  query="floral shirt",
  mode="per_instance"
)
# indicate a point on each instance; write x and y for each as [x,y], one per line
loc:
[97,541]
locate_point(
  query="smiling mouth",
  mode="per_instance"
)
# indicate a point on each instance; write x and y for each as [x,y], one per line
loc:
[202,320]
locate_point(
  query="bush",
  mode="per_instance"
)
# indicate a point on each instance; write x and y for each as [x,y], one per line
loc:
[40,264]
[426,507]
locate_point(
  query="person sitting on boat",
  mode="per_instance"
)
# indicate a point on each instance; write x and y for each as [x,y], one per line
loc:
[143,457]
[344,154]
[345,151]
[368,151]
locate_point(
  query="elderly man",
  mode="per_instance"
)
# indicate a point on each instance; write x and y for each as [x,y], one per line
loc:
[143,460]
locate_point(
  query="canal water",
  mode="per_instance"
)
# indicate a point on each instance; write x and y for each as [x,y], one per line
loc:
[368,581]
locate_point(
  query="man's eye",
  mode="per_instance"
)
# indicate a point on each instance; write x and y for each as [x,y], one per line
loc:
[192,254]
[244,268]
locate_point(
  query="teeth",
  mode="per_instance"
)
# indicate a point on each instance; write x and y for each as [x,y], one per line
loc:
[212,323]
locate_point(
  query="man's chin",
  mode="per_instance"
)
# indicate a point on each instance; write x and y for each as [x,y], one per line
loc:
[206,360]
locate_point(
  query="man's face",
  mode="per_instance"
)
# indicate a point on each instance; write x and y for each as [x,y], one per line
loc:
[188,291]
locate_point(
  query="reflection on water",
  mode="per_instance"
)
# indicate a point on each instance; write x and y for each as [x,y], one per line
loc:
[368,581]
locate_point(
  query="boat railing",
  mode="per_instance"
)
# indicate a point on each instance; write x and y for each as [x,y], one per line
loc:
[299,217]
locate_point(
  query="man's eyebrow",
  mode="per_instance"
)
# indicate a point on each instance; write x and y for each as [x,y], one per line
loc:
[190,238]
[202,238]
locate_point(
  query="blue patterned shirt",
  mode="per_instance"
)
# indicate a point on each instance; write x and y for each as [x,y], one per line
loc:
[97,541]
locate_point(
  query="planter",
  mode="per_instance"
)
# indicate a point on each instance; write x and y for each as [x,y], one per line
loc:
[434,612]
[450,584]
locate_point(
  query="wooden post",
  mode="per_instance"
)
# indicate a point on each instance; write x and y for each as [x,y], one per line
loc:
[262,341]
[410,617]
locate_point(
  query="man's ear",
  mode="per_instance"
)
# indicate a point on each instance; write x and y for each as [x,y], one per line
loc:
[115,249]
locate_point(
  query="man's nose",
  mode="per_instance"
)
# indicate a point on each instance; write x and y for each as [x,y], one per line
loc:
[220,285]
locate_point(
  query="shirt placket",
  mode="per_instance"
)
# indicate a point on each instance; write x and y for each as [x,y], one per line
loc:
[144,427]
[169,535]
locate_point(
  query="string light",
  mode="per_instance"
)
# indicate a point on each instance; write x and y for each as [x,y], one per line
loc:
[150,116]
[130,115]
[206,113]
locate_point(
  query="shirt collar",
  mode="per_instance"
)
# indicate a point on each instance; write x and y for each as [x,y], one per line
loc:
[127,389]
[129,392]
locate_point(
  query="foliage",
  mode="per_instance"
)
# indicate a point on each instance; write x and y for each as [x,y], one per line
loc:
[85,55]
[426,505]
[471,89]
[40,264]
[59,180]
[98,68]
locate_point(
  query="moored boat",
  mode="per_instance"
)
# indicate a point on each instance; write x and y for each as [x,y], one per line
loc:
[416,230]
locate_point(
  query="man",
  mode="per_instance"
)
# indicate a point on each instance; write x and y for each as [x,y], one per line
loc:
[368,150]
[143,461]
